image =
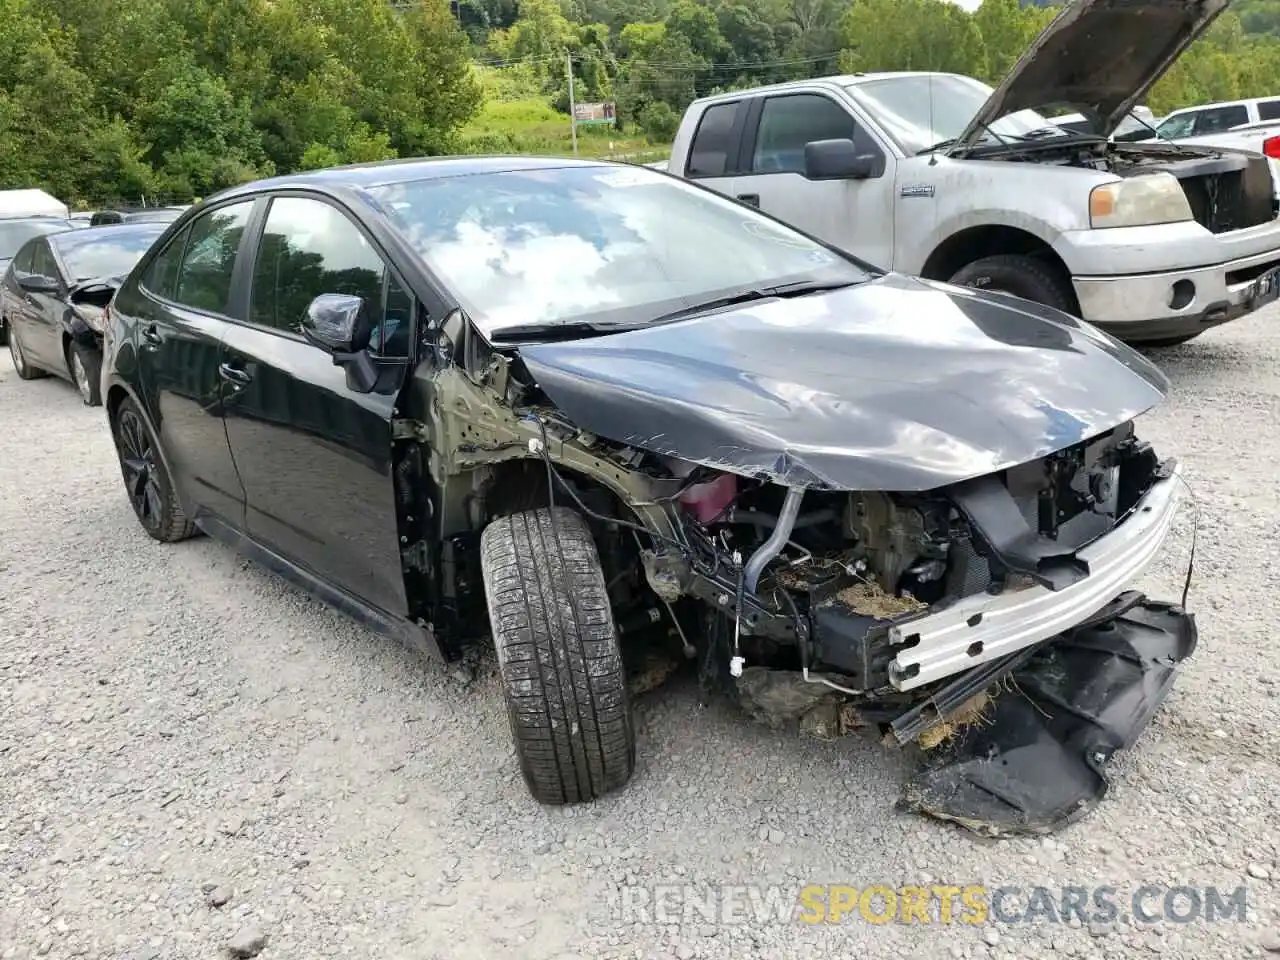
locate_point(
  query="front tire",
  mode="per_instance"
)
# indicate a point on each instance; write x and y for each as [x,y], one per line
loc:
[86,371]
[145,478]
[1024,277]
[559,656]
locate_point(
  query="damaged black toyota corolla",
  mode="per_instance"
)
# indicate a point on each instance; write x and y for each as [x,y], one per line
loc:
[623,414]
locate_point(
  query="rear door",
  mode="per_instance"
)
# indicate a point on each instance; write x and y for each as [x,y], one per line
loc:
[712,157]
[854,215]
[315,455]
[183,314]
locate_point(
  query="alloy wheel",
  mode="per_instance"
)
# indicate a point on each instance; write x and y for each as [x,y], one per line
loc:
[141,472]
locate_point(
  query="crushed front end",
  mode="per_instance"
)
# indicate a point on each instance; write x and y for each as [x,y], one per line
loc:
[989,622]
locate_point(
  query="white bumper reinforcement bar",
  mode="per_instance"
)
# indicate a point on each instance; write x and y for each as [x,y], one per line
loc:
[983,627]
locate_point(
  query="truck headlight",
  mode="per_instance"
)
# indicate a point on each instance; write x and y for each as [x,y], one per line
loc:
[1140,201]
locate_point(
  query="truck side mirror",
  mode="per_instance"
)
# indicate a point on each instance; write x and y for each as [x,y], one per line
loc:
[837,160]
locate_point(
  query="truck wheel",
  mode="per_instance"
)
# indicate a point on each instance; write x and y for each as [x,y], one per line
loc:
[1021,276]
[558,654]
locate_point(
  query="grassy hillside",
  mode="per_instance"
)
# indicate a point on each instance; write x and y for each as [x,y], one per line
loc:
[533,126]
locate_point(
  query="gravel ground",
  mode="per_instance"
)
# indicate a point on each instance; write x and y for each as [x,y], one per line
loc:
[193,754]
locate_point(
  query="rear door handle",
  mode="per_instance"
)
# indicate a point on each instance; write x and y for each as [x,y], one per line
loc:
[750,199]
[152,335]
[233,374]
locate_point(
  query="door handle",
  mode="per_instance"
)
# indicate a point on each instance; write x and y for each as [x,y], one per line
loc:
[152,335]
[233,374]
[750,199]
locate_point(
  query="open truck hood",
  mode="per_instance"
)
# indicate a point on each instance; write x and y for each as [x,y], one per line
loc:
[894,384]
[1100,57]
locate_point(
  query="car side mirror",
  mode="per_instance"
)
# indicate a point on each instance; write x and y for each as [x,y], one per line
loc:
[837,160]
[36,283]
[339,324]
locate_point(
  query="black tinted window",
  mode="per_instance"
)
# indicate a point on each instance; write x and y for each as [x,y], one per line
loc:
[788,123]
[309,248]
[713,141]
[1221,118]
[161,277]
[42,261]
[1269,110]
[204,279]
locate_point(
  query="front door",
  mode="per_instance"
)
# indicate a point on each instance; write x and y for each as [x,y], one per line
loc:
[315,455]
[854,215]
[181,312]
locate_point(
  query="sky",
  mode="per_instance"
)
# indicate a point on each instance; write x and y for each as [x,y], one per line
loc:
[969,5]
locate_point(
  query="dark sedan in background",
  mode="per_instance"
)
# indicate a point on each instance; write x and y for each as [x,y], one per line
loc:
[54,295]
[14,232]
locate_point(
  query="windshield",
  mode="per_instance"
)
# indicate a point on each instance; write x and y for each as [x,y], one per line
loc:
[922,110]
[14,233]
[105,252]
[599,244]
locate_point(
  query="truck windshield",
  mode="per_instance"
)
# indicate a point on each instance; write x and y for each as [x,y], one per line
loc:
[600,245]
[921,110]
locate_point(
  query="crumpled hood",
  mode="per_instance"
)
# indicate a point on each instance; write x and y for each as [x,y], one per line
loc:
[894,384]
[1099,56]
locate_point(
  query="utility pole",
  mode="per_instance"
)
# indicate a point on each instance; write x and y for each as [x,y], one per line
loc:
[573,114]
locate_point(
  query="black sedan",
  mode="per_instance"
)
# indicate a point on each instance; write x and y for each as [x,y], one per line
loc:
[602,415]
[14,232]
[54,295]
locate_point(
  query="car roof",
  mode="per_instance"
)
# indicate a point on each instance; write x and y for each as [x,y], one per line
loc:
[406,171]
[843,80]
[34,218]
[74,238]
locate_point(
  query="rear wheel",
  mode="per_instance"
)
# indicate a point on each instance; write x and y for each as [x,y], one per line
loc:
[20,362]
[1021,276]
[145,478]
[86,371]
[559,656]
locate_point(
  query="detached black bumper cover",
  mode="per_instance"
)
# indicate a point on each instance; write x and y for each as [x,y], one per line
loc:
[1035,761]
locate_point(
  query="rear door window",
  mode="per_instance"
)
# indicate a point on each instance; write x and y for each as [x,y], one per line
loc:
[204,278]
[161,277]
[1269,109]
[713,141]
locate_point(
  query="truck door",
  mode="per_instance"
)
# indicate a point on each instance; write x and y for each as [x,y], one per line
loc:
[854,215]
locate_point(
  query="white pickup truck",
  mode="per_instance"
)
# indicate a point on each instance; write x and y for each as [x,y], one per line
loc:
[941,176]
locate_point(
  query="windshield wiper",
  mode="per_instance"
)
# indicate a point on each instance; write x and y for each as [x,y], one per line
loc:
[794,289]
[533,332]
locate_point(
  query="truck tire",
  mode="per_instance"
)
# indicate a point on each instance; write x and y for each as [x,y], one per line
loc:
[1021,276]
[558,655]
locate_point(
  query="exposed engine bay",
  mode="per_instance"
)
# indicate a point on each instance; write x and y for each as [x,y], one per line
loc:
[901,613]
[1227,189]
